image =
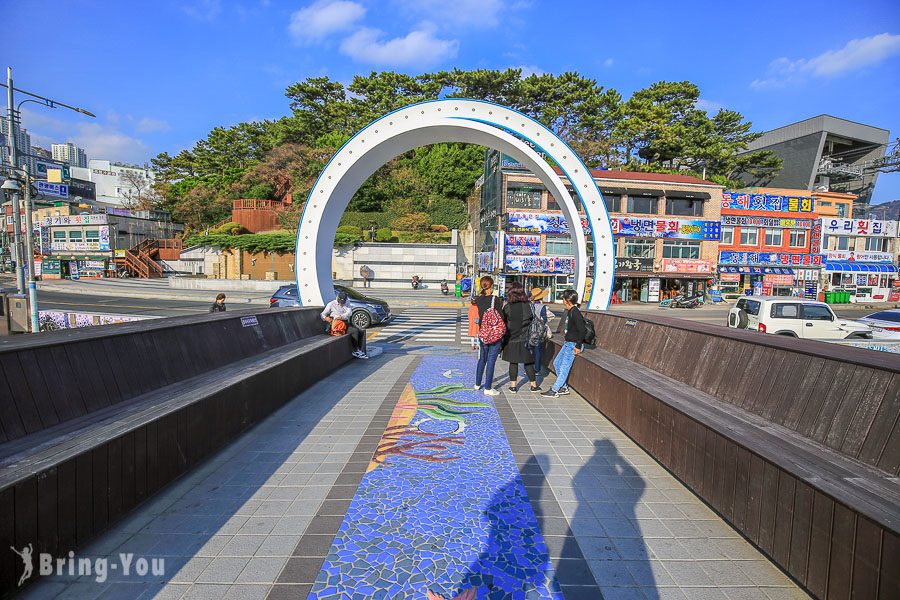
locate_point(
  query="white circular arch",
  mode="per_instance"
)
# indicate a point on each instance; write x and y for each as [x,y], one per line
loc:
[451,120]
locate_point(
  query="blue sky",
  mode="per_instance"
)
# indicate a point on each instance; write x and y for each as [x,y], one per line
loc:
[160,75]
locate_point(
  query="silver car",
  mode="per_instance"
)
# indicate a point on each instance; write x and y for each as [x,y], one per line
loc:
[885,324]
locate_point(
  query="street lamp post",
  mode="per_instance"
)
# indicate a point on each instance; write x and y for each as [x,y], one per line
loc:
[13,114]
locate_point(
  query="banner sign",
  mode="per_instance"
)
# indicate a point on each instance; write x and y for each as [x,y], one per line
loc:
[560,265]
[860,227]
[523,244]
[686,265]
[779,279]
[815,238]
[537,222]
[739,201]
[756,270]
[687,229]
[79,246]
[768,258]
[730,277]
[640,265]
[84,189]
[861,256]
[741,221]
[60,190]
[75,220]
[41,167]
[485,261]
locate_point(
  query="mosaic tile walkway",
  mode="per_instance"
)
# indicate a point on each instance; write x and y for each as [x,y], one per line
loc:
[545,498]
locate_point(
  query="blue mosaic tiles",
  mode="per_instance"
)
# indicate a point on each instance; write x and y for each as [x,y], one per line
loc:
[444,515]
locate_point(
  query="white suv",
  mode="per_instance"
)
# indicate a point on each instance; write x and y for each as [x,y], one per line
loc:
[796,317]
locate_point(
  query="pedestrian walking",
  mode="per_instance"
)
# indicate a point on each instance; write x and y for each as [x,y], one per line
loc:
[473,323]
[574,331]
[516,350]
[491,329]
[337,310]
[539,310]
[219,304]
[366,273]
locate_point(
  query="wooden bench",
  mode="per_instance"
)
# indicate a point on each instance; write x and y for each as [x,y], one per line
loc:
[795,443]
[81,448]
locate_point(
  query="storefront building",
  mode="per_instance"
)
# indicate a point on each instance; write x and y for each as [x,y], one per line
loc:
[770,245]
[666,229]
[75,246]
[861,258]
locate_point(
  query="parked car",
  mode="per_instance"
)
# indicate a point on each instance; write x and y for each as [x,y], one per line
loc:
[367,311]
[885,324]
[795,317]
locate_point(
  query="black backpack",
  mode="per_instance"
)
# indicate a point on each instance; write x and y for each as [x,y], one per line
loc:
[590,336]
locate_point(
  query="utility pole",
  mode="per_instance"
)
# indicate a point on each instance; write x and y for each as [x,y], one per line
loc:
[29,244]
[14,161]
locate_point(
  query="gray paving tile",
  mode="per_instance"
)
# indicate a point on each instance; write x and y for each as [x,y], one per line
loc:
[262,570]
[206,591]
[223,570]
[687,573]
[247,592]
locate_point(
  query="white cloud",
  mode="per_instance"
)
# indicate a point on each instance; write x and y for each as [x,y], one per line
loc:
[418,48]
[608,63]
[99,140]
[528,70]
[709,106]
[856,54]
[323,18]
[471,13]
[204,10]
[148,125]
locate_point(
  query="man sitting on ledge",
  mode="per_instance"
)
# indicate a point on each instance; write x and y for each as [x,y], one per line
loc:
[337,310]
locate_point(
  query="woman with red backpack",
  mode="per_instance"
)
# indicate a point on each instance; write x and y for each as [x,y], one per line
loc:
[491,331]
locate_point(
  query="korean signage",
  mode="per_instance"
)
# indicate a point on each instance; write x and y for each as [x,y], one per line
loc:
[560,265]
[84,189]
[861,256]
[42,167]
[78,246]
[523,244]
[739,201]
[859,227]
[640,265]
[537,222]
[60,190]
[769,258]
[688,229]
[815,238]
[741,221]
[74,220]
[686,265]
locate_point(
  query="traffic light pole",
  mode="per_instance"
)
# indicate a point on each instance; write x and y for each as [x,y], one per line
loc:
[29,245]
[14,162]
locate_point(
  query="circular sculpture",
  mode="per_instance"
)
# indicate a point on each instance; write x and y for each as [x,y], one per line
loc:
[452,120]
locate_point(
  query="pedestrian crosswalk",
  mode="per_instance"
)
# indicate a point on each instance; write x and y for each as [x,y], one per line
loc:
[421,326]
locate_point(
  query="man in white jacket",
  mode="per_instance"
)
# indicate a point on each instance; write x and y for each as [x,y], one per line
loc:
[337,310]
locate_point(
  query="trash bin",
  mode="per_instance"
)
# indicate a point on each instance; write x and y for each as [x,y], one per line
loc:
[821,296]
[465,284]
[458,290]
[829,297]
[846,298]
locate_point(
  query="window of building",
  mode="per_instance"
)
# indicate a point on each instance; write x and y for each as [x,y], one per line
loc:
[613,202]
[798,238]
[529,198]
[559,245]
[685,207]
[642,205]
[681,249]
[749,236]
[92,235]
[640,249]
[727,235]
[773,237]
[843,242]
[59,235]
[842,210]
[875,244]
[75,236]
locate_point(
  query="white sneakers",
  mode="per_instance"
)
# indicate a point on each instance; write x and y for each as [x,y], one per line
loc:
[359,354]
[491,392]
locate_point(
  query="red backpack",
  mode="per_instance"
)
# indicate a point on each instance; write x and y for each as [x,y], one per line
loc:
[492,327]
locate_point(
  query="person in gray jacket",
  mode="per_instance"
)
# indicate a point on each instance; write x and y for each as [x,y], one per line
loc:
[337,310]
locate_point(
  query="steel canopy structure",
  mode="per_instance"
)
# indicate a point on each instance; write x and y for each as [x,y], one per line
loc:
[452,120]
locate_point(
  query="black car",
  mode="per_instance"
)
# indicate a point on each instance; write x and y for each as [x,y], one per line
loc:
[367,311]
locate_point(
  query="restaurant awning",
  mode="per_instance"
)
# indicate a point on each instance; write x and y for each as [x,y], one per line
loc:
[748,270]
[689,195]
[644,192]
[846,266]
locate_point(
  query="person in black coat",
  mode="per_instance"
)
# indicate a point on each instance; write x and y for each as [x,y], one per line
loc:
[219,304]
[518,325]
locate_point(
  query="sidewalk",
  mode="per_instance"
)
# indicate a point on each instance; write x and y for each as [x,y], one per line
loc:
[392,478]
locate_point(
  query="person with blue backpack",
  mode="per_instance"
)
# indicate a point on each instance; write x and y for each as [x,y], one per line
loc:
[491,331]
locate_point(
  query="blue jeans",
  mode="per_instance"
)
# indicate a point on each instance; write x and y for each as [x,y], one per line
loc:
[563,364]
[538,352]
[487,358]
